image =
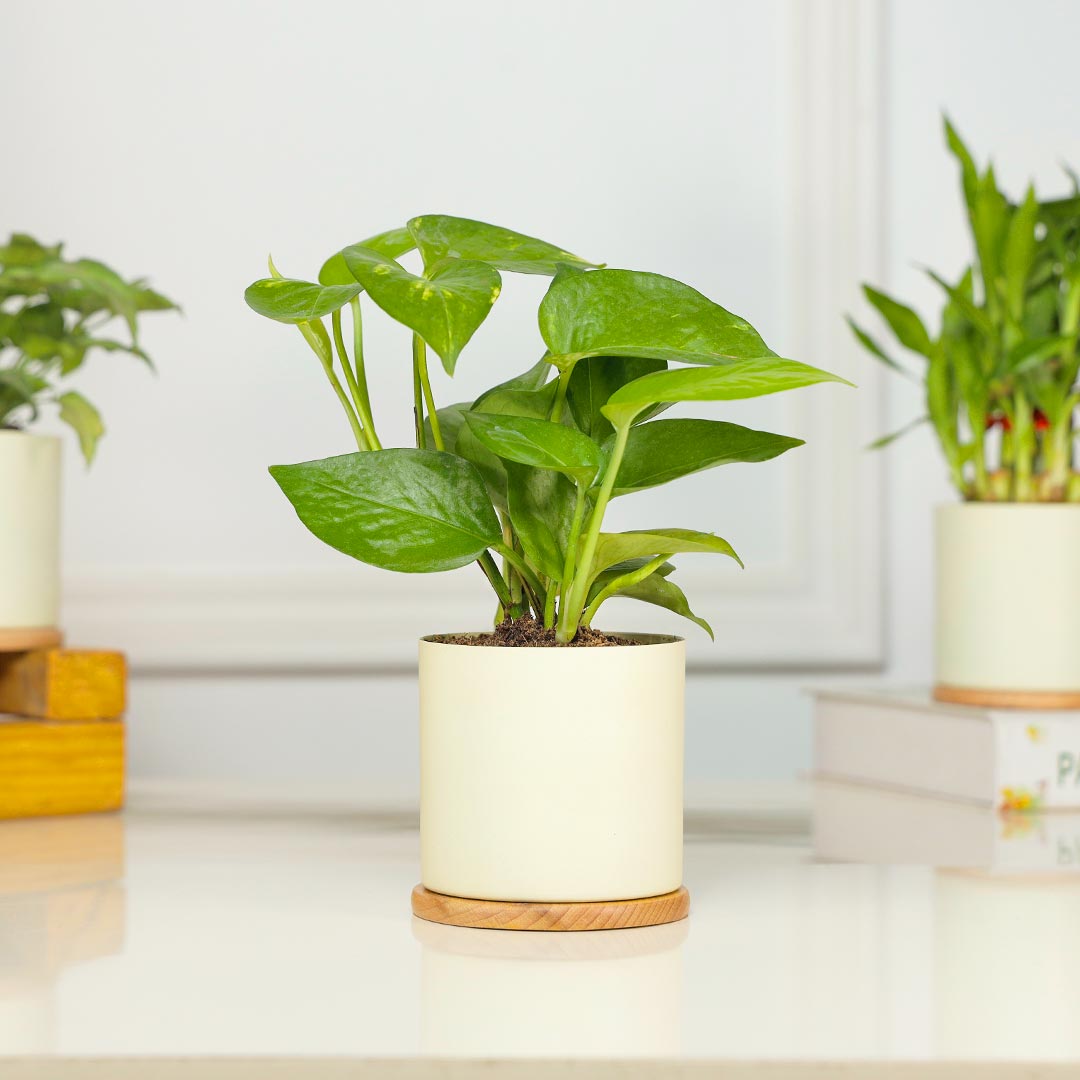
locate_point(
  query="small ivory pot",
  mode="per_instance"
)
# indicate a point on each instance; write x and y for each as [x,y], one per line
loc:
[29,539]
[1008,604]
[552,775]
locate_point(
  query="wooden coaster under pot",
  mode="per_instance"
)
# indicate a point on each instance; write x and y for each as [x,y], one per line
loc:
[1007,699]
[512,915]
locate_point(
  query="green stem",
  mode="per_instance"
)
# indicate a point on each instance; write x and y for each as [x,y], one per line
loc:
[319,341]
[560,394]
[418,399]
[498,583]
[977,419]
[621,582]
[571,548]
[575,602]
[528,578]
[350,378]
[361,374]
[1024,448]
[421,375]
[508,571]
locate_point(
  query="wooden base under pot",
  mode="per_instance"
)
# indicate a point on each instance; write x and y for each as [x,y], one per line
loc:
[22,639]
[1007,699]
[511,915]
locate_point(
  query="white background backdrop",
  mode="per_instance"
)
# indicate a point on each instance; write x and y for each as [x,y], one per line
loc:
[768,153]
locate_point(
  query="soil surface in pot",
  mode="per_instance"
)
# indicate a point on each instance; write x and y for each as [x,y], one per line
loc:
[528,633]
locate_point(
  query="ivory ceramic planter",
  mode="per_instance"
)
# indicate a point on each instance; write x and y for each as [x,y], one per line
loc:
[1008,604]
[552,775]
[29,538]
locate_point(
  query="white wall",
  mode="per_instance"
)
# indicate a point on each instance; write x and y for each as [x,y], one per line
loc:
[733,145]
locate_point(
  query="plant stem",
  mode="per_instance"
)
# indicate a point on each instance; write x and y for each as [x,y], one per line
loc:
[361,374]
[421,377]
[528,578]
[1024,447]
[508,571]
[621,582]
[320,344]
[571,550]
[418,397]
[498,583]
[560,395]
[575,602]
[350,378]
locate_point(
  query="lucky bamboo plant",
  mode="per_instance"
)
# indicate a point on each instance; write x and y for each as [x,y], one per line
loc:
[52,313]
[1001,374]
[527,470]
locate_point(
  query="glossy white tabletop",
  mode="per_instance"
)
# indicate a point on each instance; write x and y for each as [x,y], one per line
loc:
[199,925]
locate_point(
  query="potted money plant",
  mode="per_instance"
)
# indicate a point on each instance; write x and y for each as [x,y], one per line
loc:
[1000,377]
[551,751]
[54,313]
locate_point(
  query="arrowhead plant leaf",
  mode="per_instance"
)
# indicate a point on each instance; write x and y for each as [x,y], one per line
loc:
[445,310]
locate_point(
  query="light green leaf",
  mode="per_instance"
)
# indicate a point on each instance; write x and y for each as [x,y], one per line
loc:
[885,440]
[968,173]
[289,300]
[541,506]
[1032,353]
[657,590]
[440,237]
[84,419]
[629,313]
[414,511]
[394,243]
[445,310]
[595,379]
[612,548]
[744,379]
[1019,256]
[663,450]
[875,349]
[538,443]
[533,379]
[905,324]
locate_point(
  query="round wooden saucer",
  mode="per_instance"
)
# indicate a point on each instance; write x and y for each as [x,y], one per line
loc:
[512,915]
[19,639]
[1008,699]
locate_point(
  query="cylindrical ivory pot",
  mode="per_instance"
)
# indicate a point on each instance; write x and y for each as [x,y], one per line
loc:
[1008,604]
[29,532]
[552,774]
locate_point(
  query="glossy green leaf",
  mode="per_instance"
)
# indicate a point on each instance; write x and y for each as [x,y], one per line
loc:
[289,300]
[658,590]
[538,443]
[529,381]
[414,511]
[615,548]
[511,402]
[1019,255]
[664,450]
[630,313]
[394,243]
[541,506]
[628,566]
[440,237]
[84,419]
[445,310]
[744,379]
[905,324]
[968,173]
[18,388]
[594,380]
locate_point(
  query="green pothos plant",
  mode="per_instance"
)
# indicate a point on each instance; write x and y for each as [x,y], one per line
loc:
[53,314]
[525,472]
[1001,373]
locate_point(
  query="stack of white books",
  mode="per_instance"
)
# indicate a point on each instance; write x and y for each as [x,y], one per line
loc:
[903,778]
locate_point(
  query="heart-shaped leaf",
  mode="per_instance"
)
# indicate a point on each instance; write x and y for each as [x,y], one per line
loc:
[393,243]
[445,310]
[612,548]
[541,507]
[630,313]
[289,300]
[414,511]
[664,450]
[84,419]
[539,443]
[440,237]
[529,381]
[744,379]
[594,380]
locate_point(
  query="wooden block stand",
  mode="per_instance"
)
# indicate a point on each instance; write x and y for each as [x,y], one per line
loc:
[62,738]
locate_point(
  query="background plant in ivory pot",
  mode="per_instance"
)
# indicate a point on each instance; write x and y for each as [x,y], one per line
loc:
[1001,374]
[525,472]
[53,313]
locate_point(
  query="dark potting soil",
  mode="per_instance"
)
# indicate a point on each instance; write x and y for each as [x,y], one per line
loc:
[527,633]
